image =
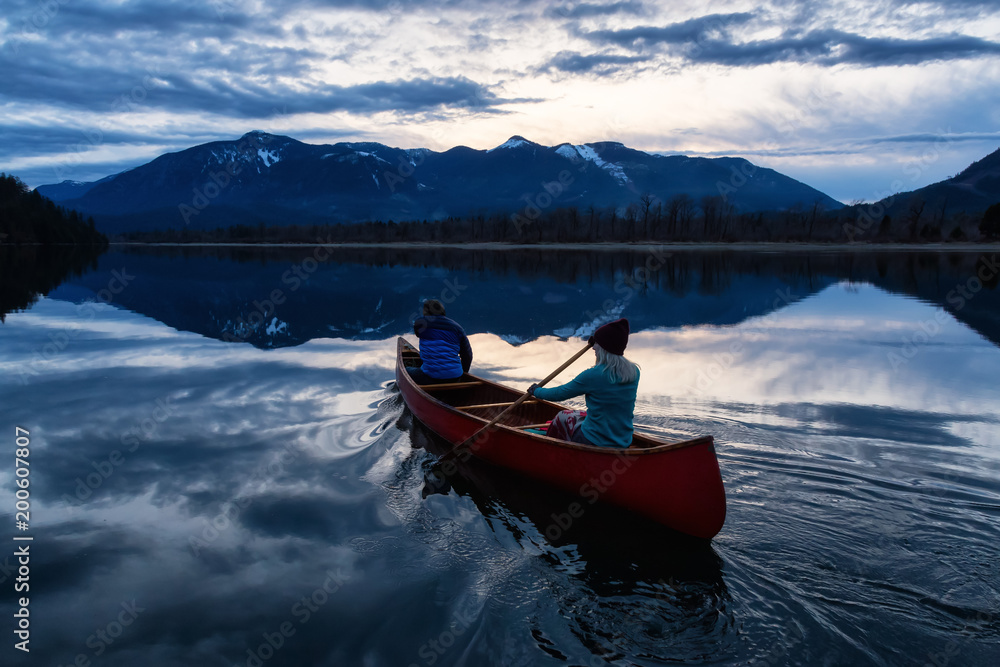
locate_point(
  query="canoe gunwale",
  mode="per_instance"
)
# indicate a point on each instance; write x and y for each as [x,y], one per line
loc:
[659,447]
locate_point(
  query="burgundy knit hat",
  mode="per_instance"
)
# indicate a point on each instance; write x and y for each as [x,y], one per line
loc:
[613,336]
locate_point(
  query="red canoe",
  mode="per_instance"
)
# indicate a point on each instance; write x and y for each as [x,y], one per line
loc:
[677,484]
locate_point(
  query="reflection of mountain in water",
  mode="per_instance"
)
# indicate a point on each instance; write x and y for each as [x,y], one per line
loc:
[274,297]
[965,285]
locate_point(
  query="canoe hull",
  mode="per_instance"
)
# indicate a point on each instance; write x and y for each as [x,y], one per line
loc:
[676,484]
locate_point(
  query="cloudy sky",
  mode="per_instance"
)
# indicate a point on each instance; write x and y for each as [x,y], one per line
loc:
[849,97]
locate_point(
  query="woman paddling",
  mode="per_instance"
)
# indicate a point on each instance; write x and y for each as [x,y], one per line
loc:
[609,388]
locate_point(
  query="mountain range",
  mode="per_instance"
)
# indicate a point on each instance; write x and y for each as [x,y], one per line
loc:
[269,179]
[973,190]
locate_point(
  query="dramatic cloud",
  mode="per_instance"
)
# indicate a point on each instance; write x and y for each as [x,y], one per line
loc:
[708,39]
[18,139]
[250,101]
[87,86]
[832,47]
[568,61]
[95,84]
[579,10]
[691,31]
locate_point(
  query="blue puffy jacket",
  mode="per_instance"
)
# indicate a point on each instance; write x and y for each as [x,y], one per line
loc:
[445,352]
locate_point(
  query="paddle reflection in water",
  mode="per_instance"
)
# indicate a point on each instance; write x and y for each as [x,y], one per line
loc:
[630,589]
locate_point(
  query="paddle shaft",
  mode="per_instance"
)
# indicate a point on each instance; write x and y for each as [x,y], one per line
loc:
[518,402]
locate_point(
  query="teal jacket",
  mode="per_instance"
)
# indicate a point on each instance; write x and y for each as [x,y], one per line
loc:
[609,406]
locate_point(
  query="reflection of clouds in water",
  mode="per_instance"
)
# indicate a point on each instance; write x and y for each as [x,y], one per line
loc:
[551,298]
[199,427]
[812,426]
[139,550]
[813,378]
[811,351]
[26,333]
[983,435]
[50,316]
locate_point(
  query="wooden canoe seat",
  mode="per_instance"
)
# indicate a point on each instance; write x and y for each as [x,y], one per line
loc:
[493,405]
[450,385]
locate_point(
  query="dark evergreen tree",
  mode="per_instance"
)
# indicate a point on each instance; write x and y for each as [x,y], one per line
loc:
[26,217]
[990,226]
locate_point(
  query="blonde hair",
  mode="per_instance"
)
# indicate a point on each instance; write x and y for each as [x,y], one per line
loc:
[620,369]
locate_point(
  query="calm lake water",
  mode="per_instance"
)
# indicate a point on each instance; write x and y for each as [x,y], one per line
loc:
[222,473]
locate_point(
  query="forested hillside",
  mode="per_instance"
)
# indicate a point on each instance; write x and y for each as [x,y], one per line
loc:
[28,217]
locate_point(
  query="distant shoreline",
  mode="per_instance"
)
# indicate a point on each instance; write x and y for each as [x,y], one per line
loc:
[603,247]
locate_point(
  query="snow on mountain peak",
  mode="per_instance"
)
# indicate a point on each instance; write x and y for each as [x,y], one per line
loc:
[514,142]
[587,152]
[568,152]
[367,154]
[269,157]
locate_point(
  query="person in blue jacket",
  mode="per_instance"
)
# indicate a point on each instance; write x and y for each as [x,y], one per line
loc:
[445,353]
[609,387]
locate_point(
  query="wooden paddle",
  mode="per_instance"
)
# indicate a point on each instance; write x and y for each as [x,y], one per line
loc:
[460,447]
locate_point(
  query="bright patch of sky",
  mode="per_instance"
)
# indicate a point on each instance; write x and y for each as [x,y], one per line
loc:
[845,96]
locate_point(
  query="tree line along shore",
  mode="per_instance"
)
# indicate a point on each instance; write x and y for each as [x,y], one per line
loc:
[679,220]
[26,217]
